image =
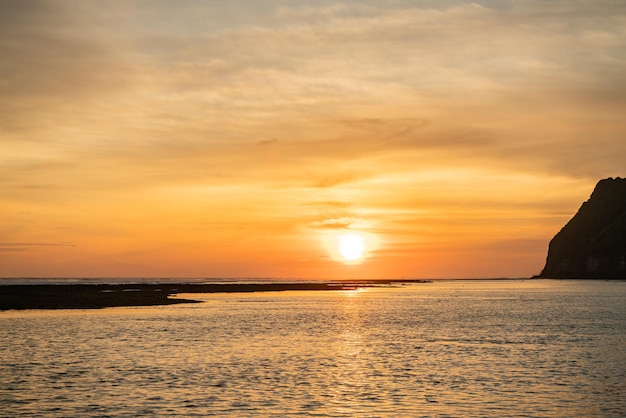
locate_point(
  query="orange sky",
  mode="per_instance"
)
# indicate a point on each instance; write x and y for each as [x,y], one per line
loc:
[238,139]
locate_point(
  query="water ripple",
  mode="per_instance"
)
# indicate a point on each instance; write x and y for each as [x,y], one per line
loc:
[497,350]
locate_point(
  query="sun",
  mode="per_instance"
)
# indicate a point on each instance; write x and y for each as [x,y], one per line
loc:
[351,246]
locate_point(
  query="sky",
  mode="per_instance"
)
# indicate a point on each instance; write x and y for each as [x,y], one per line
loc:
[153,138]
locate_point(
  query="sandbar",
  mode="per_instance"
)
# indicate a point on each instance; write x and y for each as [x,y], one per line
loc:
[95,296]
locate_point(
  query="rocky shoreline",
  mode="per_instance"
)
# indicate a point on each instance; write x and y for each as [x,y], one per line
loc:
[96,296]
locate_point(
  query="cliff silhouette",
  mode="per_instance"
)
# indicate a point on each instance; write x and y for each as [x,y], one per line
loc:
[592,245]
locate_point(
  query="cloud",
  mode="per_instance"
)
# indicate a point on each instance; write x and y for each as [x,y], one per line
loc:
[320,95]
[27,246]
[471,81]
[341,223]
[53,65]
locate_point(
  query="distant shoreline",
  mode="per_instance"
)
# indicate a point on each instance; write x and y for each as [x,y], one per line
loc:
[97,296]
[85,295]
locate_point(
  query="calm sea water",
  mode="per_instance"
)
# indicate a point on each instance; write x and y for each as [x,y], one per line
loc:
[478,348]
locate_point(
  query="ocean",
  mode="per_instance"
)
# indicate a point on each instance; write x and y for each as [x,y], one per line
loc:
[527,348]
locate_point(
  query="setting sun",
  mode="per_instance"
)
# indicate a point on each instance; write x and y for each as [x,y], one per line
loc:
[351,246]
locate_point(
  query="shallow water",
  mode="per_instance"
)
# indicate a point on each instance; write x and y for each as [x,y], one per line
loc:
[475,348]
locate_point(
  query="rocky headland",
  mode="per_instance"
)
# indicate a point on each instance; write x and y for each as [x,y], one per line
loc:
[592,245]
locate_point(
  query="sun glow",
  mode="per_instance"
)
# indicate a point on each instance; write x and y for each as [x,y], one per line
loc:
[351,246]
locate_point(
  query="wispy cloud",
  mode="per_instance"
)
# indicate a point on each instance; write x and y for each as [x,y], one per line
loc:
[27,246]
[341,223]
[151,95]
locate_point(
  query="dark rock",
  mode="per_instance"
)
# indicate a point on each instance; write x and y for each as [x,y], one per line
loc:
[592,245]
[93,296]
